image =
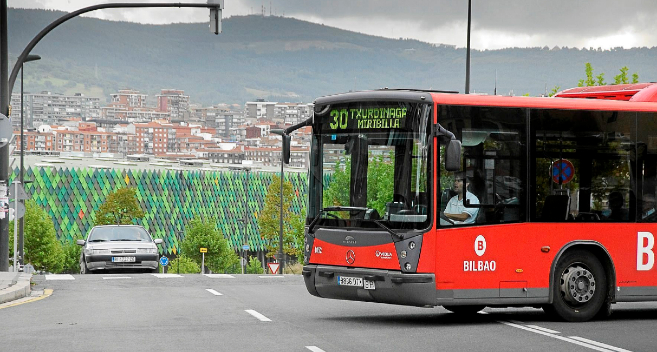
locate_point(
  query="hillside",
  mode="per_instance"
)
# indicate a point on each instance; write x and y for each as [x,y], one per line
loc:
[282,59]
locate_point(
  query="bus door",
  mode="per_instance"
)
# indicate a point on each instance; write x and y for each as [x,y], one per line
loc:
[480,204]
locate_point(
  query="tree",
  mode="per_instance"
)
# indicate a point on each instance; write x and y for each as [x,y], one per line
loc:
[268,220]
[120,208]
[71,257]
[621,78]
[202,233]
[42,249]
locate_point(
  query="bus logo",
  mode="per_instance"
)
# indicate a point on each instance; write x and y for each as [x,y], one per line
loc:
[349,240]
[480,245]
[351,257]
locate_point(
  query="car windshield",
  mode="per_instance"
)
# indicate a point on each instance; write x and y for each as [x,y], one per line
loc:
[119,233]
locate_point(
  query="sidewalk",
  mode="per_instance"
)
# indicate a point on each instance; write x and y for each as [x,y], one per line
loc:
[14,286]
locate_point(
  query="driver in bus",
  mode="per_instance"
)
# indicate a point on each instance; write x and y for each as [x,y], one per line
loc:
[455,210]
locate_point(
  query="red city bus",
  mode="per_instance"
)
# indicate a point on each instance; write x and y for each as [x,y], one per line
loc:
[427,198]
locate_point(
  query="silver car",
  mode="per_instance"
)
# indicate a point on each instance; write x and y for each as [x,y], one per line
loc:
[118,247]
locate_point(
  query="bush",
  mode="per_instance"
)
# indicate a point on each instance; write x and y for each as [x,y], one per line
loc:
[182,265]
[42,249]
[71,262]
[254,266]
[201,233]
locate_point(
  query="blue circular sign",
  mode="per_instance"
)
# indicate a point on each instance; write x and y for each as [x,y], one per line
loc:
[563,171]
[164,261]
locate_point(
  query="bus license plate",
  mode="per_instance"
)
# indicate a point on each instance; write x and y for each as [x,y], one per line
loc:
[350,281]
[123,259]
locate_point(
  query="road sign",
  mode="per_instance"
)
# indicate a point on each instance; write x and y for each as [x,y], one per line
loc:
[245,247]
[21,191]
[164,261]
[20,208]
[273,267]
[563,171]
[6,130]
[204,250]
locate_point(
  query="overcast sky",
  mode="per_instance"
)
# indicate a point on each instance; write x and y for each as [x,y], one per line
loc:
[495,24]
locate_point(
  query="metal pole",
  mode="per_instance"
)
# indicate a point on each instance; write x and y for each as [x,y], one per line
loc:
[21,172]
[467,57]
[280,219]
[15,223]
[4,151]
[20,177]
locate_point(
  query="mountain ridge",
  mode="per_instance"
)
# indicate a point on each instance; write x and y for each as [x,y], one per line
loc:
[282,59]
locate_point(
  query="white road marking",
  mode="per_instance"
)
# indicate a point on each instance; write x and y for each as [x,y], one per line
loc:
[213,292]
[558,337]
[60,277]
[116,277]
[257,315]
[220,276]
[542,329]
[166,276]
[268,276]
[600,344]
[314,348]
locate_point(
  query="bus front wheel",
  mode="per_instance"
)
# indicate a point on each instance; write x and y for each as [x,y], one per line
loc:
[580,287]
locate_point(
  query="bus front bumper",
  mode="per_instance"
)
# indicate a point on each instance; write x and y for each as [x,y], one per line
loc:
[390,286]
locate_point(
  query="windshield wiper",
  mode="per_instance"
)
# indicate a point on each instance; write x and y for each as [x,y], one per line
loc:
[313,223]
[390,231]
[127,239]
[98,240]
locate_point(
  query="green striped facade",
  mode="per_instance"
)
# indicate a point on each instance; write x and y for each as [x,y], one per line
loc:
[169,199]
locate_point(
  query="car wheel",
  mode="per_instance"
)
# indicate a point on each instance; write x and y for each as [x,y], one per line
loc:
[83,267]
[579,287]
[464,309]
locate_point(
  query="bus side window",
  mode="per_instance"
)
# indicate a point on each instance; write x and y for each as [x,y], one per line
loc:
[555,208]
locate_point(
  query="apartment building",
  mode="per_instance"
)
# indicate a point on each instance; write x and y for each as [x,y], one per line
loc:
[47,108]
[292,113]
[260,109]
[174,102]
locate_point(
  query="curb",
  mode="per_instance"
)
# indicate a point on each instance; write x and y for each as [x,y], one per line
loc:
[19,288]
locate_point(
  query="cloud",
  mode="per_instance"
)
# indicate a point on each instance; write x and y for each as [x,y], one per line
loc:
[495,24]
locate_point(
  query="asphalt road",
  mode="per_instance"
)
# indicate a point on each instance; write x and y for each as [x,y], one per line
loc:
[144,312]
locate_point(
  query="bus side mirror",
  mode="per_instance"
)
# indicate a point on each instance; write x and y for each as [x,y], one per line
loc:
[286,148]
[453,155]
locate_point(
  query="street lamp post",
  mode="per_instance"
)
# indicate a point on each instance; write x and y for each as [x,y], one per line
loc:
[7,82]
[281,132]
[21,173]
[467,55]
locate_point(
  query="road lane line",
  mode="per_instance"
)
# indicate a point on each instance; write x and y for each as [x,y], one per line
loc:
[600,344]
[220,276]
[213,292]
[314,348]
[268,276]
[542,329]
[257,315]
[576,342]
[60,277]
[166,276]
[116,277]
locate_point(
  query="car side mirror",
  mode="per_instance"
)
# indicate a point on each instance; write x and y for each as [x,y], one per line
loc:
[158,241]
[80,242]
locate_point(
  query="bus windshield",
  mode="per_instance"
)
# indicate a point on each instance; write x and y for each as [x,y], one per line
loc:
[369,167]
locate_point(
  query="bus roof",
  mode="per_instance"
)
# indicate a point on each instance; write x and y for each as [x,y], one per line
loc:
[442,97]
[542,103]
[636,92]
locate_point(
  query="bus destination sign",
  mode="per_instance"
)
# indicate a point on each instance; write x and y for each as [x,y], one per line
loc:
[366,118]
